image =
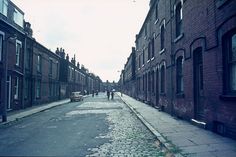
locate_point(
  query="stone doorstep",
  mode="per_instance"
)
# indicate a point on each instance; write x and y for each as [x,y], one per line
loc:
[198,123]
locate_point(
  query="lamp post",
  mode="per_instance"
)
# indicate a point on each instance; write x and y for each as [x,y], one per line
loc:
[4,110]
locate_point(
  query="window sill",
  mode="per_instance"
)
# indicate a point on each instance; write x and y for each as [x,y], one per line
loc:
[220,3]
[228,97]
[162,51]
[180,95]
[179,37]
[162,94]
[156,21]
[152,58]
[148,61]
[143,65]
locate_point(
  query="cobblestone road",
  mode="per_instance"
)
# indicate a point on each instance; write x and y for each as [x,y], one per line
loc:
[127,135]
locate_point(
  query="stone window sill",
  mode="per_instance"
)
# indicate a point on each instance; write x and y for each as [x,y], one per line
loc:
[156,21]
[179,37]
[228,97]
[162,51]
[163,94]
[180,95]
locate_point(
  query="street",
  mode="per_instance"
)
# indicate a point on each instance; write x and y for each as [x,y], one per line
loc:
[93,127]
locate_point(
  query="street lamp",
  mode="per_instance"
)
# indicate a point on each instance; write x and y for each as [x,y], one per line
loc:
[4,110]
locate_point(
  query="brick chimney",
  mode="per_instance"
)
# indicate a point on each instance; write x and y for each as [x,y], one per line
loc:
[67,57]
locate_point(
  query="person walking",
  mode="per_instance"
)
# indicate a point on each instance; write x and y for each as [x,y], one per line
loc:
[112,95]
[108,94]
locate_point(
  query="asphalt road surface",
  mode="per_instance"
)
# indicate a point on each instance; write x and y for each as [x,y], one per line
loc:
[93,127]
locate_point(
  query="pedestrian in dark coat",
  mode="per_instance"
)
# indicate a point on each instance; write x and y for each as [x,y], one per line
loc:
[108,94]
[112,95]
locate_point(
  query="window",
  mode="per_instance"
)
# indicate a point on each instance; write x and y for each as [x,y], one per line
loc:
[18,18]
[38,89]
[229,54]
[57,70]
[1,46]
[145,30]
[18,52]
[153,47]
[50,89]
[163,79]
[50,66]
[139,61]
[73,73]
[143,57]
[143,82]
[149,50]
[178,19]
[39,63]
[179,75]
[3,7]
[149,81]
[152,81]
[162,36]
[16,86]
[156,11]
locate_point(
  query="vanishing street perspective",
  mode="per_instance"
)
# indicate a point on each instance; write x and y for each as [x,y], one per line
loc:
[122,78]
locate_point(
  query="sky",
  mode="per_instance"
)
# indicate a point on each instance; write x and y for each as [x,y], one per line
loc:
[100,33]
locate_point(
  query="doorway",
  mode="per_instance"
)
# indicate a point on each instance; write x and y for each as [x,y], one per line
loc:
[157,87]
[8,92]
[198,84]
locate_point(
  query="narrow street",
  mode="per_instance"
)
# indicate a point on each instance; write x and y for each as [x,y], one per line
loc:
[93,127]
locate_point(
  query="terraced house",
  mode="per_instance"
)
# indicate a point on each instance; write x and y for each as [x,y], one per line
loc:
[12,45]
[30,73]
[186,64]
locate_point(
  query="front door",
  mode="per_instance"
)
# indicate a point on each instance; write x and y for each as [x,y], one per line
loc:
[198,84]
[157,87]
[8,92]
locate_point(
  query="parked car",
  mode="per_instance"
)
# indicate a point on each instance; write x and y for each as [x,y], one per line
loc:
[76,96]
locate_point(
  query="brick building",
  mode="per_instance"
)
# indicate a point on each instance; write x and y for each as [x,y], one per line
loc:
[129,75]
[11,55]
[45,75]
[186,65]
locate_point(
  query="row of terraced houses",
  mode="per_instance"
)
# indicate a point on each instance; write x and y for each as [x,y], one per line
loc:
[184,62]
[31,74]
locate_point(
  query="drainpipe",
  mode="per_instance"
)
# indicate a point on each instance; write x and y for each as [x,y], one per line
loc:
[172,63]
[23,82]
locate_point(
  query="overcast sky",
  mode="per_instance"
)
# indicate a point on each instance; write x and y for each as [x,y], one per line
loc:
[100,33]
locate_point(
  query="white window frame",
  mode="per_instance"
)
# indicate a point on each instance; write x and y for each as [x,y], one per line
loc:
[4,7]
[38,89]
[39,62]
[1,46]
[16,86]
[18,52]
[18,18]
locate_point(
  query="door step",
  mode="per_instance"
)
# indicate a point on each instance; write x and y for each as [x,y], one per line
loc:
[198,123]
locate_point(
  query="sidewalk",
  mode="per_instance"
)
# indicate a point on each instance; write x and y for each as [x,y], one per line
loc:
[31,110]
[179,136]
